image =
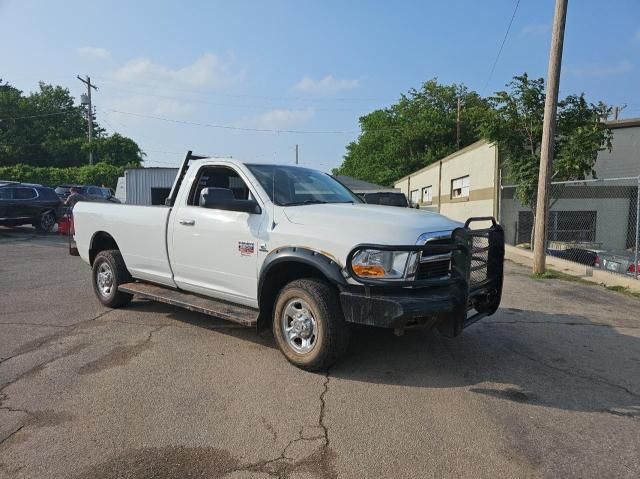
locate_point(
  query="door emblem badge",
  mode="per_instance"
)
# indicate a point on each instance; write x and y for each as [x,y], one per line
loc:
[246,248]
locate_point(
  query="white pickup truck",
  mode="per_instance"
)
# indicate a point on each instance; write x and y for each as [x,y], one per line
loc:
[291,248]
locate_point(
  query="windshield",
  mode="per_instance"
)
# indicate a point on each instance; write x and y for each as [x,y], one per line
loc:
[300,186]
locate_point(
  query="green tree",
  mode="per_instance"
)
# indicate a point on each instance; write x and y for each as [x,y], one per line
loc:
[98,174]
[412,133]
[117,150]
[46,128]
[515,125]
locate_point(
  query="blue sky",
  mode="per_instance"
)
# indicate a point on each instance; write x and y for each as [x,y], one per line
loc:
[312,67]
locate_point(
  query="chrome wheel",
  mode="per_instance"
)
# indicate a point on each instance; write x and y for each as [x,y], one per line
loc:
[104,279]
[299,327]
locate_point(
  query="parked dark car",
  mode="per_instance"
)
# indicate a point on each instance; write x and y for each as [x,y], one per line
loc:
[579,255]
[91,192]
[390,198]
[23,203]
[63,191]
[100,193]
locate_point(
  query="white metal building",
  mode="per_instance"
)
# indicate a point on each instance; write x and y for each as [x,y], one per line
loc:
[145,186]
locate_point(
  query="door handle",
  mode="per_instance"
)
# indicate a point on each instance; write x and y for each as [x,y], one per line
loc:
[187,222]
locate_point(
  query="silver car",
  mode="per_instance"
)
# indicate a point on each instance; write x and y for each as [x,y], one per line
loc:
[622,262]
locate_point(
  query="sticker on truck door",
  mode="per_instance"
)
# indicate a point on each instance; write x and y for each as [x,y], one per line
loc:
[246,248]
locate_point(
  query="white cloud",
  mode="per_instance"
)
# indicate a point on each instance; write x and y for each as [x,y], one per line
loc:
[208,71]
[152,88]
[535,29]
[96,53]
[601,70]
[325,86]
[277,119]
[154,106]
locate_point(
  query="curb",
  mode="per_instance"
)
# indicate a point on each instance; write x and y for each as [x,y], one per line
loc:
[586,273]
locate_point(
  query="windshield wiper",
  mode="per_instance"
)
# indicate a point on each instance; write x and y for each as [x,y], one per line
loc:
[305,202]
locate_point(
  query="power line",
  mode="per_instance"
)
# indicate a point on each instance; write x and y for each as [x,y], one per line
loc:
[252,106]
[506,34]
[209,125]
[65,112]
[238,95]
[239,128]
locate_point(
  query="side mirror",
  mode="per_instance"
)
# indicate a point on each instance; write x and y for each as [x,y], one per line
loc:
[223,199]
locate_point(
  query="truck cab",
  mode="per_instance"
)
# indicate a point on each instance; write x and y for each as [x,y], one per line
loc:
[291,249]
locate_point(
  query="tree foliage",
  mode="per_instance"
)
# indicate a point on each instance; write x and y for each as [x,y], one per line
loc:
[99,174]
[46,128]
[414,132]
[515,122]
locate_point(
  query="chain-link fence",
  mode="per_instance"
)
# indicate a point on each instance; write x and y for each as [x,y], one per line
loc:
[592,222]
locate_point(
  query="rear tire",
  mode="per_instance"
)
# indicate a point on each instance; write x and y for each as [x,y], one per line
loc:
[45,222]
[308,324]
[109,272]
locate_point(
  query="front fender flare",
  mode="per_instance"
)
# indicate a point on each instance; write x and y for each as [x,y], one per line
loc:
[331,269]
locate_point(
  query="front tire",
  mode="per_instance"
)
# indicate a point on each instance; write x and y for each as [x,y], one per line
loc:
[308,324]
[109,272]
[45,222]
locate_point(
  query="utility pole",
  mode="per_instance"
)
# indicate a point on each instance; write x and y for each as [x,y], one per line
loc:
[548,133]
[617,110]
[296,153]
[458,125]
[90,111]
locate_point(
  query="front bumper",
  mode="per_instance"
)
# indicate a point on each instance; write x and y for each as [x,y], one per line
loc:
[470,290]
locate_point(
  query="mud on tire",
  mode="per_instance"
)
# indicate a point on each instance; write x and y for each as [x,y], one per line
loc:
[308,324]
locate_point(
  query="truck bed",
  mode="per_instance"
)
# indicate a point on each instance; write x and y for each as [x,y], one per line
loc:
[139,232]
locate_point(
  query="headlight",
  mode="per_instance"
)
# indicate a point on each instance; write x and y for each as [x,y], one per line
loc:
[372,263]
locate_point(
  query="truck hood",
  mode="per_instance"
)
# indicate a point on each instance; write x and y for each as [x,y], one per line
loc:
[363,223]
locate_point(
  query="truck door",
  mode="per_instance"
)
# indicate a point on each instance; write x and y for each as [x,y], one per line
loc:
[214,251]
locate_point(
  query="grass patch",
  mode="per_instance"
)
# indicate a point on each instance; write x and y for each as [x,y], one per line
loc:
[624,290]
[553,274]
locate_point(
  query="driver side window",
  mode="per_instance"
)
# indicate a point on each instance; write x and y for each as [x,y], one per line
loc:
[218,177]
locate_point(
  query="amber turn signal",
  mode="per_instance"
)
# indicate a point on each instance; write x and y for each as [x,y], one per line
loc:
[368,271]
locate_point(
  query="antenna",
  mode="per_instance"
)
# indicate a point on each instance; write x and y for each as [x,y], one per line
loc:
[273,199]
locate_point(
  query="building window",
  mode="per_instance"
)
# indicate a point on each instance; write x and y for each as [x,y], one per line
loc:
[427,194]
[460,187]
[413,197]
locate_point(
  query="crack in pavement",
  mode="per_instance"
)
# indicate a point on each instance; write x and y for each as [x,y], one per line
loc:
[213,327]
[40,367]
[586,377]
[6,438]
[17,323]
[282,465]
[629,414]
[47,339]
[323,406]
[120,355]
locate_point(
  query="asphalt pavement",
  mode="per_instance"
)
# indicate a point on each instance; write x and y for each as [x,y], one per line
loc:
[547,387]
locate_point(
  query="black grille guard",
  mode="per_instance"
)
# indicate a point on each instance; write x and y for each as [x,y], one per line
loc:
[476,273]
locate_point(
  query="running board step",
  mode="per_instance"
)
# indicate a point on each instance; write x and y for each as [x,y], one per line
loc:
[193,302]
